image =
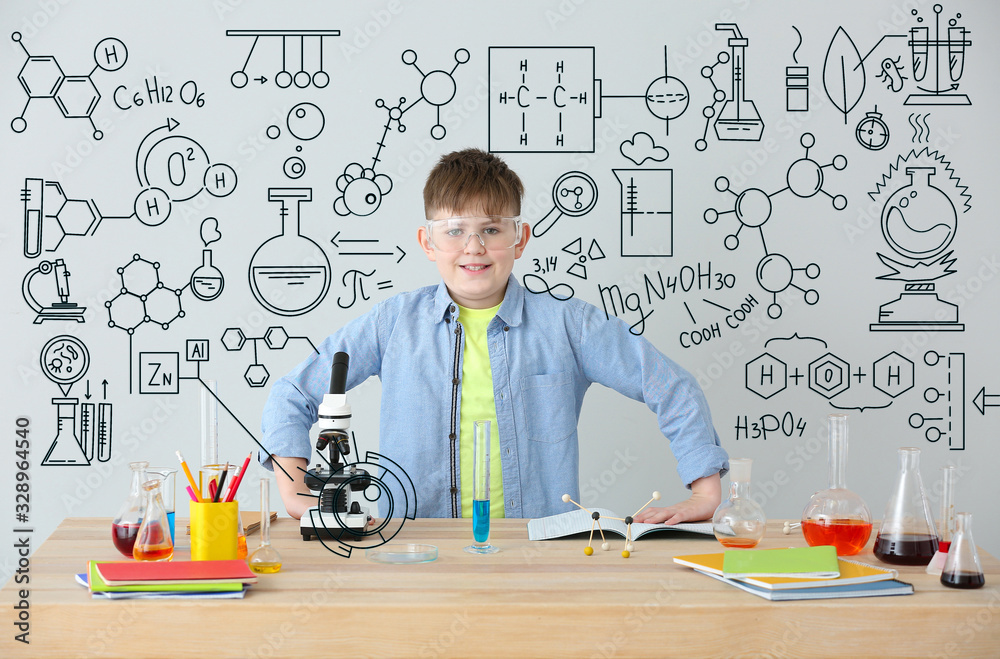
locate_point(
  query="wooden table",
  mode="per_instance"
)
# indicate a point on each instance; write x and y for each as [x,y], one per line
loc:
[532,599]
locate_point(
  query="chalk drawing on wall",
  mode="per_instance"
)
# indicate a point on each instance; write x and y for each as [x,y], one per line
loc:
[353,281]
[797,81]
[65,360]
[206,280]
[646,211]
[752,208]
[891,74]
[872,132]
[732,115]
[33,287]
[362,188]
[579,266]
[294,44]
[641,148]
[289,273]
[938,61]
[76,96]
[921,131]
[573,194]
[844,76]
[948,401]
[539,285]
[275,338]
[920,195]
[305,122]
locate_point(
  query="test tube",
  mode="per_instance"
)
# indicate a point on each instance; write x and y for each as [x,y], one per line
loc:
[209,423]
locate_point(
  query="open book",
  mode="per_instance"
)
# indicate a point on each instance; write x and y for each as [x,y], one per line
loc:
[579,521]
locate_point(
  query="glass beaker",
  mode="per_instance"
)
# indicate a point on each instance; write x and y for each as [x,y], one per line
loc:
[739,522]
[153,542]
[65,449]
[265,559]
[837,516]
[125,526]
[168,487]
[907,535]
[962,568]
[481,490]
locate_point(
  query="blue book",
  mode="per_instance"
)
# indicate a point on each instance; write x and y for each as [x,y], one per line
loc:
[867,589]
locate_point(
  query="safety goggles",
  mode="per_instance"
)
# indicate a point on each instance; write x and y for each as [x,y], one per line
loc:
[492,231]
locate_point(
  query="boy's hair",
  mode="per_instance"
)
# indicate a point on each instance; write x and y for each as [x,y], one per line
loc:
[473,180]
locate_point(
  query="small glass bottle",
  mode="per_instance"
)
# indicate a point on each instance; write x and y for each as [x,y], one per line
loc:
[739,522]
[265,559]
[837,516]
[125,526]
[907,535]
[153,542]
[962,568]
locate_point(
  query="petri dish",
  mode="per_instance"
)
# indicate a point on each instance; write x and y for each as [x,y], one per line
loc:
[401,554]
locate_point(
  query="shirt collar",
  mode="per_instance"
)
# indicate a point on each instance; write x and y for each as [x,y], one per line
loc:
[511,308]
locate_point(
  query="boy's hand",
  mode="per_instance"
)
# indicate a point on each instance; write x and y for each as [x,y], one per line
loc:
[706,495]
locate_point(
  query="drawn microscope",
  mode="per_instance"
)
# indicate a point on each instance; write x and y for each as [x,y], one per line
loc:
[61,310]
[336,514]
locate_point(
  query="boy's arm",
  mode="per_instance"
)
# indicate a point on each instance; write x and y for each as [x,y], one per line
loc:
[706,495]
[291,490]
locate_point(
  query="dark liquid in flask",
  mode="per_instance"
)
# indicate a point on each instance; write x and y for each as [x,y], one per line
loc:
[963,579]
[906,548]
[123,535]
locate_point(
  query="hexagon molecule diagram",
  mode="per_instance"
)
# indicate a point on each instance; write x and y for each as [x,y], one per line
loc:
[143,298]
[76,96]
[775,272]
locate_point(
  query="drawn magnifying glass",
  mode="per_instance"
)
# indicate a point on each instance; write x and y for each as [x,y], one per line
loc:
[574,194]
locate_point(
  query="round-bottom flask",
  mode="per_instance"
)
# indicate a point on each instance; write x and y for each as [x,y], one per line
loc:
[837,516]
[739,522]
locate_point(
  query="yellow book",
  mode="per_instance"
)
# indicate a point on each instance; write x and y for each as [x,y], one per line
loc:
[851,572]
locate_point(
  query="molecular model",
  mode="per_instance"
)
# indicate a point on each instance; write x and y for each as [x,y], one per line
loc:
[629,547]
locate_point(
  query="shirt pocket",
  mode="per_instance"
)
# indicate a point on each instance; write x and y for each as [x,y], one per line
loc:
[548,407]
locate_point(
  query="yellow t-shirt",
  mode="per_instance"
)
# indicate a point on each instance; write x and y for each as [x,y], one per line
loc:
[477,404]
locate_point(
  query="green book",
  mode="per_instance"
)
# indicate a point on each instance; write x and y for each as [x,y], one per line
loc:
[804,562]
[97,585]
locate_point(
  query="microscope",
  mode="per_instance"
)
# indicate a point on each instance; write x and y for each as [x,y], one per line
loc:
[61,310]
[336,515]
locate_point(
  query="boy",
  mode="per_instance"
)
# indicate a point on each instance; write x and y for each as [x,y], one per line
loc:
[477,346]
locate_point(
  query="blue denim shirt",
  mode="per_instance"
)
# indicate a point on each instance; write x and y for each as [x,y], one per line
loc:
[544,354]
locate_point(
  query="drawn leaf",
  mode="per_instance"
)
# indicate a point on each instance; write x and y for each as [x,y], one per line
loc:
[843,73]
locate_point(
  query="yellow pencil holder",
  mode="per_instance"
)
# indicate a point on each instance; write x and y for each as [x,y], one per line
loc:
[214,530]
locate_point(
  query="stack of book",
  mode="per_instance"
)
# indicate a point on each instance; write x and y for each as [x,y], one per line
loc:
[799,573]
[167,579]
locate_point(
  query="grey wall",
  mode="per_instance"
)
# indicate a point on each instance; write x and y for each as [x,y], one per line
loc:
[767,285]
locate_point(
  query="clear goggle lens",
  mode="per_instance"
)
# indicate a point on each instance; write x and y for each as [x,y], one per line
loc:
[493,232]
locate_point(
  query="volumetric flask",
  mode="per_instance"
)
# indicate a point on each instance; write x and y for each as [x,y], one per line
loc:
[837,516]
[907,535]
[962,568]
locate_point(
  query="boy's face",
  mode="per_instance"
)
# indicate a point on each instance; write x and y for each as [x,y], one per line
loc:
[476,277]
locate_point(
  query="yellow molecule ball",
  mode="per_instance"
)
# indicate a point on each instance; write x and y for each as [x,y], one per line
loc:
[625,553]
[588,551]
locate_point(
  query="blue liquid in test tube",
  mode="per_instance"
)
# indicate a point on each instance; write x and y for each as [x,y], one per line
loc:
[170,522]
[481,520]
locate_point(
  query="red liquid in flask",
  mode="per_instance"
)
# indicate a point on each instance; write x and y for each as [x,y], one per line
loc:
[738,543]
[123,535]
[849,536]
[906,549]
[963,579]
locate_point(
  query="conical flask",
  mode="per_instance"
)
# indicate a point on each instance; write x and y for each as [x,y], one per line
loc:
[125,526]
[153,542]
[739,522]
[837,516]
[962,568]
[907,535]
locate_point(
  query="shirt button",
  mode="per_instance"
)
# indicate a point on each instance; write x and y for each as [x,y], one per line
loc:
[454,380]
[451,435]
[506,329]
[456,330]
[452,308]
[454,489]
[447,320]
